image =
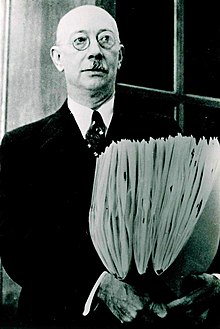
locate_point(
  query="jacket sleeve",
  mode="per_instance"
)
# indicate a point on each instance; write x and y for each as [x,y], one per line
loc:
[44,236]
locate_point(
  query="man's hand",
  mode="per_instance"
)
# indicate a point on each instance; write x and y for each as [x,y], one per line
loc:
[125,302]
[196,304]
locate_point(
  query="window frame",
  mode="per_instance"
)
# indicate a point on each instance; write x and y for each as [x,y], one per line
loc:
[177,97]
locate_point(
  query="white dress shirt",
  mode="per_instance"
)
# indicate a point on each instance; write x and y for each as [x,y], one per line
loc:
[83,114]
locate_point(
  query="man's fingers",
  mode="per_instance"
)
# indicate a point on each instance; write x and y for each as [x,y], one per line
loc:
[198,297]
[159,310]
[180,302]
[125,313]
[129,317]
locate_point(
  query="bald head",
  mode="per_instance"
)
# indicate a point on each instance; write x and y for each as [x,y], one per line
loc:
[80,18]
[89,52]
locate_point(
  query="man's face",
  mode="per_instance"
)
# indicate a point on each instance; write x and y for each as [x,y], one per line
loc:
[90,52]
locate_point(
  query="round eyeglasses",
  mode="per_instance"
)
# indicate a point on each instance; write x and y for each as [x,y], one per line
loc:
[105,39]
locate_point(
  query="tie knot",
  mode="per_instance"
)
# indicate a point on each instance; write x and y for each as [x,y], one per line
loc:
[97,119]
[95,135]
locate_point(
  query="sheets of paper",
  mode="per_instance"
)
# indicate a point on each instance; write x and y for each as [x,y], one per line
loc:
[147,198]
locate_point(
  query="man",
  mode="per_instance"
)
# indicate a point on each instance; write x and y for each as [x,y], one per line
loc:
[47,171]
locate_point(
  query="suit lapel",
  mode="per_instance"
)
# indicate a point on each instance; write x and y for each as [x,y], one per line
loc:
[61,132]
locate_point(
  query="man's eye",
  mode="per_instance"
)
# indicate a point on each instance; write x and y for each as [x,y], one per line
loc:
[81,42]
[106,40]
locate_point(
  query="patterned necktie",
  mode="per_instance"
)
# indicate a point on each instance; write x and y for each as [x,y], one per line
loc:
[95,135]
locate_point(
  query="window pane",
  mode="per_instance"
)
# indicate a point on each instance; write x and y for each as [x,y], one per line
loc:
[146,30]
[150,103]
[202,121]
[202,48]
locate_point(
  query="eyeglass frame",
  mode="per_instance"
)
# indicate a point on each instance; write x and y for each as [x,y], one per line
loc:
[88,41]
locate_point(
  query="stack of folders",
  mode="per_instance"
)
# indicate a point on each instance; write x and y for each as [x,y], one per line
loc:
[147,198]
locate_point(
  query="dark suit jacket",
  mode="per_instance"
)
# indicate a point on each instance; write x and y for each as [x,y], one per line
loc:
[45,188]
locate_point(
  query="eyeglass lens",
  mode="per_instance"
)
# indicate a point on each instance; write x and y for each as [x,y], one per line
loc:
[105,39]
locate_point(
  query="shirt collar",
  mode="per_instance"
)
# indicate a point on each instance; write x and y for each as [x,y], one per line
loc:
[83,114]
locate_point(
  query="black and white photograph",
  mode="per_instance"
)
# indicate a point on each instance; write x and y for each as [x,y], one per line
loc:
[109,164]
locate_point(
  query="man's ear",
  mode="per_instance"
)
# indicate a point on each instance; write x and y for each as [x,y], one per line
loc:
[55,55]
[120,56]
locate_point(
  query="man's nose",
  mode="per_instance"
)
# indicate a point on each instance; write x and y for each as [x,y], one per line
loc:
[94,49]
